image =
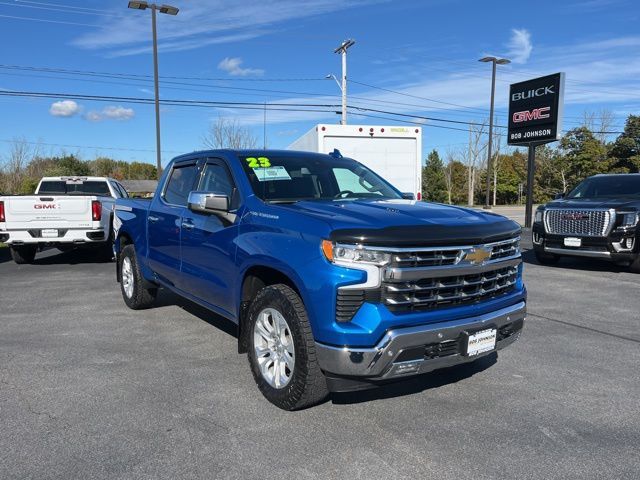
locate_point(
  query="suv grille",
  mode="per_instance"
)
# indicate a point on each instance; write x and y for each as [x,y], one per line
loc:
[593,223]
[429,293]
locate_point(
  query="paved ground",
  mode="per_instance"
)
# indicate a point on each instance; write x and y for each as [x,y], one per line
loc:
[514,212]
[92,390]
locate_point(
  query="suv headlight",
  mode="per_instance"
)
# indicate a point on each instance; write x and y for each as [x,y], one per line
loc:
[346,254]
[538,216]
[629,219]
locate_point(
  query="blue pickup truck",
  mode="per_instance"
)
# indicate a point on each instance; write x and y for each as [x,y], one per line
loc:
[336,280]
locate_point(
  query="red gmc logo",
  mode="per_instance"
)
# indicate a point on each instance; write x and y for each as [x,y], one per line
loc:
[42,206]
[527,115]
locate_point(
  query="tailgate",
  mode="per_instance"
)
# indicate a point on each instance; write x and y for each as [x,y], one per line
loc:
[42,211]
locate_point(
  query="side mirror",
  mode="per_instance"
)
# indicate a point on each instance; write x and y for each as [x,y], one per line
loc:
[408,196]
[558,196]
[208,202]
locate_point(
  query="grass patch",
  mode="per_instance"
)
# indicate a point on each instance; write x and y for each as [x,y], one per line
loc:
[3,245]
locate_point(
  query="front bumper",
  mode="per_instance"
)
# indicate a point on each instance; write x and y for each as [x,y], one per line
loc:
[420,349]
[606,248]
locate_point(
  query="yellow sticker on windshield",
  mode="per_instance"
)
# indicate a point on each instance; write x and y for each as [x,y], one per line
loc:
[260,162]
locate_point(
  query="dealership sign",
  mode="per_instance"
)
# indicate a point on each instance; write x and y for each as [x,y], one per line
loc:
[535,110]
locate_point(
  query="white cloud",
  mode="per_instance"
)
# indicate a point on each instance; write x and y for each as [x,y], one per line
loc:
[118,113]
[195,26]
[519,45]
[231,65]
[111,112]
[64,108]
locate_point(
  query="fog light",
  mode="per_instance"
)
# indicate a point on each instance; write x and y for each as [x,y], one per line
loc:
[537,238]
[628,243]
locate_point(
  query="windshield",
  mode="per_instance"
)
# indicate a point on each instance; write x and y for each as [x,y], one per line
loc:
[290,179]
[74,187]
[608,186]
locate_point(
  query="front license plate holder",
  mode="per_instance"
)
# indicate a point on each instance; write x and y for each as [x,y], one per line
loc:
[482,341]
[572,242]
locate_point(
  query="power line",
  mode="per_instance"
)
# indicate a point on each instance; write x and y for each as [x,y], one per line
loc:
[304,107]
[84,146]
[56,9]
[72,7]
[15,17]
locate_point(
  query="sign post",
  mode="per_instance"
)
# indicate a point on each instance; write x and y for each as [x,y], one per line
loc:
[535,118]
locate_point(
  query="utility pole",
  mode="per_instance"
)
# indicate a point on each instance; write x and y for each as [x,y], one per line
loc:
[342,49]
[169,10]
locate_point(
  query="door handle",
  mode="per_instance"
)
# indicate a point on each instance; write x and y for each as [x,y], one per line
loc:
[152,219]
[187,225]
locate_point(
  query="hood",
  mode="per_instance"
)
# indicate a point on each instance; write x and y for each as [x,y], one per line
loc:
[587,203]
[407,222]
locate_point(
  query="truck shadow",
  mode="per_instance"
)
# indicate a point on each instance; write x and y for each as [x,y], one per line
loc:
[577,263]
[418,384]
[5,255]
[167,298]
[53,256]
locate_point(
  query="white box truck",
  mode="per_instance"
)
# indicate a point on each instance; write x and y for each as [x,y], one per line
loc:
[394,153]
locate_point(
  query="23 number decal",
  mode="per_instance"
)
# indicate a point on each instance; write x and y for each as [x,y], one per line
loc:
[260,162]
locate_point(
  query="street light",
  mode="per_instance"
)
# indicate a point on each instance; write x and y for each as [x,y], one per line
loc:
[342,49]
[169,10]
[494,61]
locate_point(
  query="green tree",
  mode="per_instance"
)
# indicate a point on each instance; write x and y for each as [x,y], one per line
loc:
[68,165]
[626,149]
[434,186]
[583,155]
[142,171]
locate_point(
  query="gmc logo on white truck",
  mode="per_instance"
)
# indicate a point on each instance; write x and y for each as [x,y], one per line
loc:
[535,114]
[42,206]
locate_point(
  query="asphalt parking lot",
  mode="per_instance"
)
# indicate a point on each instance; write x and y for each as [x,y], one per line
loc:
[92,390]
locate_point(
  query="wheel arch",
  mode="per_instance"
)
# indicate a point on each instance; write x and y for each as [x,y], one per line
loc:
[254,279]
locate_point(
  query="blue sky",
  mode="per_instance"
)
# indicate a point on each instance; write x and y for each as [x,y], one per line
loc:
[280,51]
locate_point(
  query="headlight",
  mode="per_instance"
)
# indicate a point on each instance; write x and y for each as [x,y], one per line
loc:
[629,219]
[345,254]
[538,216]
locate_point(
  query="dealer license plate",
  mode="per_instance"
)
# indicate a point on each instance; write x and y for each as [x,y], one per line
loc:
[49,233]
[572,242]
[481,342]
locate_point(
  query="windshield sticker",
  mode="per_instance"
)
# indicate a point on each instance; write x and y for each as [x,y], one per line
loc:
[260,162]
[272,173]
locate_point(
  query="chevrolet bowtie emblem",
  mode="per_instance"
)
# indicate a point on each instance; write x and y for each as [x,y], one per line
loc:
[477,255]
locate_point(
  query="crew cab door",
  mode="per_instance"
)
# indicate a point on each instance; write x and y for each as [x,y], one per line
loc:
[208,242]
[164,221]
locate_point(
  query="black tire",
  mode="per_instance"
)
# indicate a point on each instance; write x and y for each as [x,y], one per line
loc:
[544,258]
[139,297]
[23,254]
[307,385]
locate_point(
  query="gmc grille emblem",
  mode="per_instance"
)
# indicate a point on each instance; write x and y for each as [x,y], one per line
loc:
[574,216]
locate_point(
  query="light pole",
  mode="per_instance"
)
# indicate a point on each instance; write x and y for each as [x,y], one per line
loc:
[342,49]
[169,10]
[494,61]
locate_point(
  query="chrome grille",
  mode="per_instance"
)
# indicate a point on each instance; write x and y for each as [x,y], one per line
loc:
[444,256]
[593,223]
[449,290]
[429,258]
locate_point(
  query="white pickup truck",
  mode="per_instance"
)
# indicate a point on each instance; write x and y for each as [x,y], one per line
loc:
[64,212]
